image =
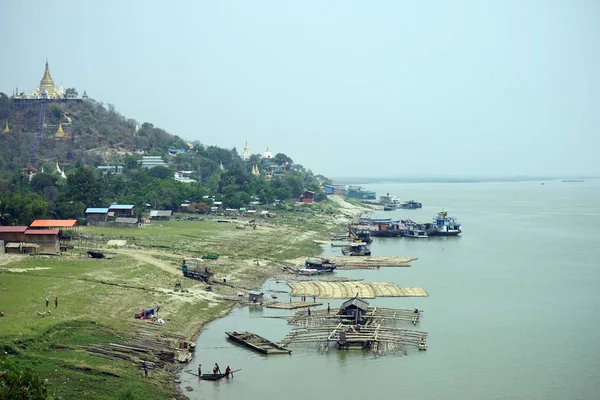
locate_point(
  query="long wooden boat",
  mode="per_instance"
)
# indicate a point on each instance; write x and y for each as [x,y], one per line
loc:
[257,343]
[211,377]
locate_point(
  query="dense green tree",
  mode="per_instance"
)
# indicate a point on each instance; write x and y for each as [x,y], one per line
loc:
[87,186]
[22,209]
[41,181]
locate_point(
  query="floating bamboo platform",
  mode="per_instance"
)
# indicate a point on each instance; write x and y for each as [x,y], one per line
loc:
[294,305]
[331,328]
[343,290]
[379,314]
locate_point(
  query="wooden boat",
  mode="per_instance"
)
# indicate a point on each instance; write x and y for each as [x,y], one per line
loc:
[356,249]
[212,377]
[257,343]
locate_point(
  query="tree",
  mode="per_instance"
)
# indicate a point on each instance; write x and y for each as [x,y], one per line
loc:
[41,181]
[20,382]
[86,185]
[282,159]
[71,92]
[56,110]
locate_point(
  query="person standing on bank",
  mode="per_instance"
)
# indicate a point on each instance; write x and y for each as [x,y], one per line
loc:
[56,302]
[47,301]
[145,369]
[199,370]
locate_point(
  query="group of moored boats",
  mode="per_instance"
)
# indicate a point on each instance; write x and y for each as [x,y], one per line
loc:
[442,225]
[391,203]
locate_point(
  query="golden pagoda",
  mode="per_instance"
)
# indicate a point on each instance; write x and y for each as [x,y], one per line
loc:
[6,129]
[246,152]
[255,170]
[47,83]
[59,132]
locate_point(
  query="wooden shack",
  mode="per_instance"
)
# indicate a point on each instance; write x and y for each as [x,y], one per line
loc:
[121,210]
[307,197]
[354,310]
[13,247]
[46,240]
[95,215]
[255,296]
[161,215]
[12,233]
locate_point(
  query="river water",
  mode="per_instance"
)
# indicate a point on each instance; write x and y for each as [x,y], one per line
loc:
[512,312]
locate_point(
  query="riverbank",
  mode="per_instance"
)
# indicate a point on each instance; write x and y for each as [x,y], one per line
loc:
[98,297]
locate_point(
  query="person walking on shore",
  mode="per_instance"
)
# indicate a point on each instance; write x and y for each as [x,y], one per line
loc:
[199,370]
[47,301]
[145,366]
[328,308]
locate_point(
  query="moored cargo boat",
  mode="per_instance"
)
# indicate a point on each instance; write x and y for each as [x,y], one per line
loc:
[443,225]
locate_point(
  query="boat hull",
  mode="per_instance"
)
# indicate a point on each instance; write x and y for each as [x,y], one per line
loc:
[438,233]
[387,233]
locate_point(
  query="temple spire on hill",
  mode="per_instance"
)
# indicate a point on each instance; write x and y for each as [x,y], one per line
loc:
[59,132]
[6,128]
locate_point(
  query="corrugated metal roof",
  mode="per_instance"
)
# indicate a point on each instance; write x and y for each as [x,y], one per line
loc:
[17,229]
[255,293]
[13,245]
[45,223]
[41,232]
[161,213]
[121,207]
[92,210]
[359,303]
[126,220]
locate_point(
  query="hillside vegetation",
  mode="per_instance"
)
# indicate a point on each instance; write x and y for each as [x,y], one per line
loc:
[99,135]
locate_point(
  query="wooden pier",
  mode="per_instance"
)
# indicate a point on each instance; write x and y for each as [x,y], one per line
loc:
[342,290]
[257,343]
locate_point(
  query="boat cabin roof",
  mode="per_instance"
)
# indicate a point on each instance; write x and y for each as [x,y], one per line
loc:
[358,303]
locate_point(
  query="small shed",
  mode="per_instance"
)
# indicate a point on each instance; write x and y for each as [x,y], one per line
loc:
[30,248]
[264,213]
[328,189]
[46,240]
[13,248]
[161,215]
[354,310]
[122,210]
[124,222]
[255,296]
[13,233]
[94,215]
[307,197]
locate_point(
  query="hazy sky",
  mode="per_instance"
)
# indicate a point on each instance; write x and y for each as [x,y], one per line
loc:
[347,88]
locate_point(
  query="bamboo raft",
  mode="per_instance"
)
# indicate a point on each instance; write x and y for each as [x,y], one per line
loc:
[342,290]
[327,329]
[371,262]
[257,343]
[293,305]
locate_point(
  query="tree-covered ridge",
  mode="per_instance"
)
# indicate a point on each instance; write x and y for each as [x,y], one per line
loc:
[98,135]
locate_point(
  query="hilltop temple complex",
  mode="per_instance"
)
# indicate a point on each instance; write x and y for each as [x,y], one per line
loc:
[45,90]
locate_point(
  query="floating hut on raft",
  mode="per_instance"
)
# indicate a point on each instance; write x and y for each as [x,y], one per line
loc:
[355,325]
